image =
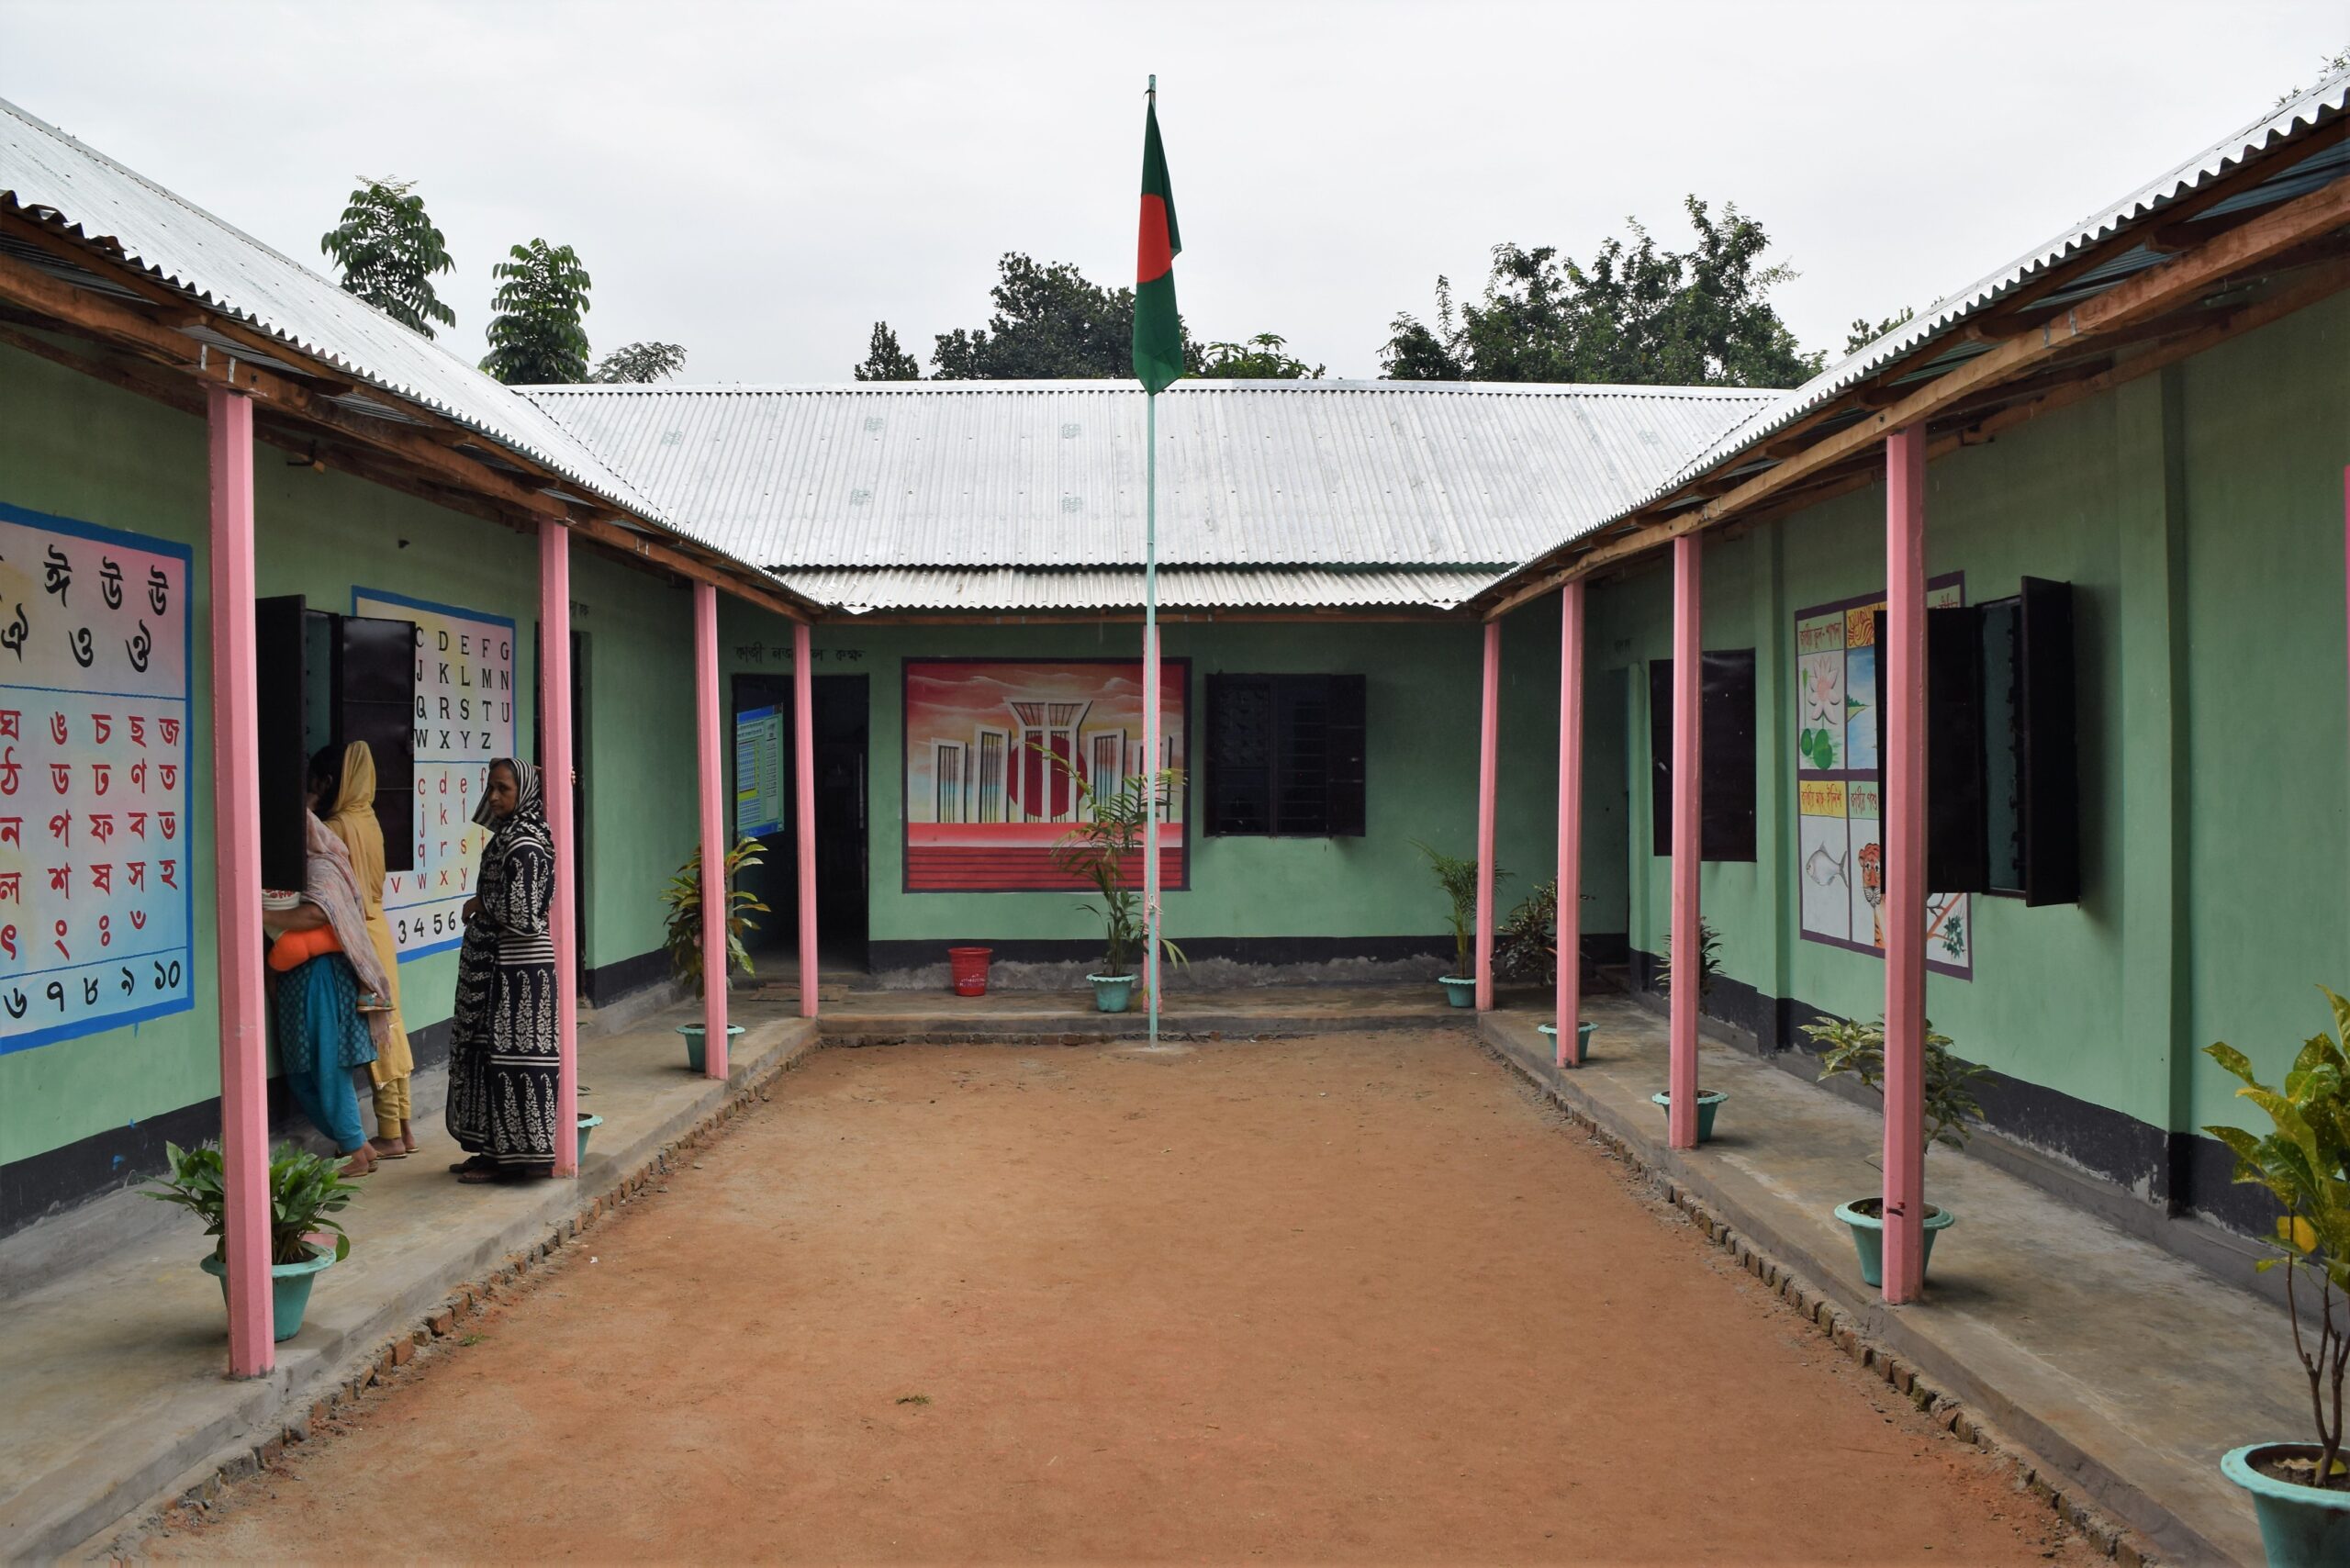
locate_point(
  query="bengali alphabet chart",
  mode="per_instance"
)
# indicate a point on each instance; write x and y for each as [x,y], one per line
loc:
[97,913]
[464,717]
[1840,845]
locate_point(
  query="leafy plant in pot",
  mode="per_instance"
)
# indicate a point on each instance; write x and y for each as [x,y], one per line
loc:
[1104,842]
[1457,877]
[2301,1491]
[1950,1107]
[1709,964]
[682,898]
[305,1188]
[1526,948]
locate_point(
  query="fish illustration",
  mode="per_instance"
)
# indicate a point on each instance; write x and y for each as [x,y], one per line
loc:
[1825,869]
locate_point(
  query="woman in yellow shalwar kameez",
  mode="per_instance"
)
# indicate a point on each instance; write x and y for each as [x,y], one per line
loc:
[349,782]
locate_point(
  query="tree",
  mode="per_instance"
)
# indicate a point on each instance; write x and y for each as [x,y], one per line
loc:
[389,253]
[1050,322]
[885,360]
[1259,359]
[1862,334]
[537,338]
[1639,314]
[640,363]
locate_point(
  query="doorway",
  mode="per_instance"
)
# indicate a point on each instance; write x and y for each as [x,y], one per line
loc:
[764,809]
[581,839]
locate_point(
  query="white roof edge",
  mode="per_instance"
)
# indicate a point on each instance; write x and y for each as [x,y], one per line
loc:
[1191,388]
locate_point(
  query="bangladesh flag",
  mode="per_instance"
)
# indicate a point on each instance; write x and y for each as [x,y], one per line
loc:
[1159,331]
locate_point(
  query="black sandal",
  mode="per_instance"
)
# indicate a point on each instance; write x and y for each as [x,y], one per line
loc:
[472,1162]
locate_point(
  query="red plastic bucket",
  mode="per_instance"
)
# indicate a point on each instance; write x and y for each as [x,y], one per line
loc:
[970,970]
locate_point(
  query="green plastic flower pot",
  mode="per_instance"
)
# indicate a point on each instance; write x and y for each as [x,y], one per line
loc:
[1582,1040]
[1458,991]
[1868,1236]
[697,1049]
[1111,993]
[587,1123]
[289,1290]
[1708,1101]
[2300,1526]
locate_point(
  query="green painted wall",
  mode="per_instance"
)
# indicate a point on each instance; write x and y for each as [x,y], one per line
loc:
[73,446]
[2198,513]
[1423,682]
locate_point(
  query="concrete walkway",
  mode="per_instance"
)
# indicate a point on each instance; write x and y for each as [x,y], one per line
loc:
[2126,1370]
[873,1017]
[114,1372]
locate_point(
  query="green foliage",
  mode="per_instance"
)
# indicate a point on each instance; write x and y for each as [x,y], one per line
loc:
[683,899]
[1457,877]
[1106,839]
[1639,314]
[1818,748]
[640,364]
[2333,65]
[885,360]
[1862,334]
[537,337]
[389,253]
[1050,321]
[1859,1049]
[1525,944]
[1709,961]
[303,1190]
[1261,358]
[2302,1163]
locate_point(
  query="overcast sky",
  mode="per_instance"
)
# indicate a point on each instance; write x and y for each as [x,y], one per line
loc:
[761,182]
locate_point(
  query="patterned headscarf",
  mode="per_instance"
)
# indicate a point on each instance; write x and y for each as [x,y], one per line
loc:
[329,884]
[529,818]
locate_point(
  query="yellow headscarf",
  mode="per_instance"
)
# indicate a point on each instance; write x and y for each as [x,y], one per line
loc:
[352,820]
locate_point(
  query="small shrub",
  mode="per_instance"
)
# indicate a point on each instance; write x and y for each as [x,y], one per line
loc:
[303,1189]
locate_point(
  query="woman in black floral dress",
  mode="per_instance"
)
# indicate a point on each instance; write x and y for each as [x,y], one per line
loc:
[504,1055]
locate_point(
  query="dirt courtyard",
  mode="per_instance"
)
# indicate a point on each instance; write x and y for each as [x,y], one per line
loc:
[1358,1299]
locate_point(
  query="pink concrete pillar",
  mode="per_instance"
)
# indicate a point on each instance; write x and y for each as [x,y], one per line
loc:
[1489,731]
[716,967]
[555,778]
[803,797]
[1569,919]
[1688,806]
[236,841]
[1902,806]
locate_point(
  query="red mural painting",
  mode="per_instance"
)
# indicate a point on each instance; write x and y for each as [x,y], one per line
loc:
[987,792]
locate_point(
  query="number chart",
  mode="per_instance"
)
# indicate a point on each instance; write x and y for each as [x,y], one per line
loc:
[96,910]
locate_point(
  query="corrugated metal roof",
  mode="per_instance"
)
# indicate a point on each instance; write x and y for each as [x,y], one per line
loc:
[1050,473]
[1008,589]
[2319,104]
[182,244]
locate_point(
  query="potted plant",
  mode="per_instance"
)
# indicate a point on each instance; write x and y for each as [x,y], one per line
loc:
[1526,948]
[303,1190]
[1709,964]
[683,936]
[1105,840]
[1950,1113]
[1457,877]
[2301,1491]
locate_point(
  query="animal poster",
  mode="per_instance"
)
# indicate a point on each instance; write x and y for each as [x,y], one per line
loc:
[464,717]
[993,753]
[96,884]
[1839,780]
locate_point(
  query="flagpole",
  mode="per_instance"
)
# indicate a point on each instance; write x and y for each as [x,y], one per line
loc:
[1151,703]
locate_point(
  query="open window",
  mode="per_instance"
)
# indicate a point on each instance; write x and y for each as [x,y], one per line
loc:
[1285,755]
[1726,719]
[327,680]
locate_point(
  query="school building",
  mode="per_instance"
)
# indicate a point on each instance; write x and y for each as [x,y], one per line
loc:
[242,514]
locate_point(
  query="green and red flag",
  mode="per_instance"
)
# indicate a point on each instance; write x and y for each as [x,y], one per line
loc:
[1158,330]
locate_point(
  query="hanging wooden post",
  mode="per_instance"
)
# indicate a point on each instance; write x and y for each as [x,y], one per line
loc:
[716,956]
[1489,729]
[1904,809]
[236,837]
[557,773]
[803,798]
[1688,806]
[1569,921]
